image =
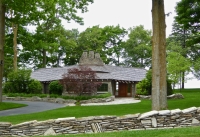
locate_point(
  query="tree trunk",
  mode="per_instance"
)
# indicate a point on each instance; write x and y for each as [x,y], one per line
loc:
[15,28]
[2,42]
[183,80]
[159,82]
[44,61]
[183,46]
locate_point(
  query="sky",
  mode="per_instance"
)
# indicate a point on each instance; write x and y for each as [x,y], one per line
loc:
[127,13]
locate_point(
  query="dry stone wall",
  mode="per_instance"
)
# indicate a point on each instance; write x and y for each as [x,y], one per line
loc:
[60,100]
[150,120]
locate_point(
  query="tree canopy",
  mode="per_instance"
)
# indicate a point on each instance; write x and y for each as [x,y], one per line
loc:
[187,20]
[137,49]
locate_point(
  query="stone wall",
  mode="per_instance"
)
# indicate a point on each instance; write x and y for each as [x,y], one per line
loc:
[60,100]
[151,120]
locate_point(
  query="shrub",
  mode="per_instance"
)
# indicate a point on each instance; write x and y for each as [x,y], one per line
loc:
[81,81]
[55,88]
[35,87]
[20,82]
[145,86]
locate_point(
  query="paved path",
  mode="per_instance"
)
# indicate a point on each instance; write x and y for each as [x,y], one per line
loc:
[115,102]
[31,108]
[43,106]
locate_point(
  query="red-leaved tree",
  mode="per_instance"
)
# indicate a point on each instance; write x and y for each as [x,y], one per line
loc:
[81,81]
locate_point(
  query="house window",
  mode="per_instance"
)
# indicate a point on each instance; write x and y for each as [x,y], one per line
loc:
[103,87]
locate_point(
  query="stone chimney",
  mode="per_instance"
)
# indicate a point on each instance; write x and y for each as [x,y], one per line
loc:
[90,59]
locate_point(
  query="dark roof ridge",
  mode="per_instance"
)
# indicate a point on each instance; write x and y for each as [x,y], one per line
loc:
[125,66]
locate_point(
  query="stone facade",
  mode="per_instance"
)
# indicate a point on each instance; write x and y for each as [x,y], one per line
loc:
[151,120]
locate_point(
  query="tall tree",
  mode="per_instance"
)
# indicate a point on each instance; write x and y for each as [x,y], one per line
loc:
[20,13]
[159,81]
[180,36]
[107,41]
[27,12]
[137,49]
[177,63]
[114,43]
[58,10]
[92,39]
[71,54]
[2,41]
[188,16]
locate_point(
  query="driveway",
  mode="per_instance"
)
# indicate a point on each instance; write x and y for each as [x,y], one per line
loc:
[31,108]
[43,106]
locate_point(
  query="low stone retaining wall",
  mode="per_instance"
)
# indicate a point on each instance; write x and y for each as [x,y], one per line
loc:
[60,100]
[151,120]
[173,96]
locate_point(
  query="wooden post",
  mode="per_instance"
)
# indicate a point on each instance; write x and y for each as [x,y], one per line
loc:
[159,82]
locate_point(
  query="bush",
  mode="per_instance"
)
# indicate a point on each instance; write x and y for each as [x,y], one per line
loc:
[55,88]
[81,81]
[20,82]
[145,86]
[25,95]
[35,87]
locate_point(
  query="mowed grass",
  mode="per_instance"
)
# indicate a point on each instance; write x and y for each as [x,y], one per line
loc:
[177,132]
[9,105]
[191,99]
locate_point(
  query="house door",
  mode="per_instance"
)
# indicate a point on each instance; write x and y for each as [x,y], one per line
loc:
[124,90]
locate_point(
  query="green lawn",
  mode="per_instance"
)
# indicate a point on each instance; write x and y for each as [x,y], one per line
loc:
[9,105]
[191,99]
[178,132]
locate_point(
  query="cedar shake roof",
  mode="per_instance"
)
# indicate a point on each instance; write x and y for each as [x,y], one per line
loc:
[106,72]
[93,61]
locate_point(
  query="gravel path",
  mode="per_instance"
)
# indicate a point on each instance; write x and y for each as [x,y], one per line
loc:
[115,102]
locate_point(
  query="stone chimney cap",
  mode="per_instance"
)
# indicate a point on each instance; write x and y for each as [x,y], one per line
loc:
[91,59]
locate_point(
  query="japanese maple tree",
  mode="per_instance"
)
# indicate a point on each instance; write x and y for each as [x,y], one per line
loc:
[81,81]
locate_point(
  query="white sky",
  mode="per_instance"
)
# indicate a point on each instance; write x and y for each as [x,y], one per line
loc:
[126,13]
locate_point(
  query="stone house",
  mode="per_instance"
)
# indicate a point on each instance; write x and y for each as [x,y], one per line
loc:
[119,81]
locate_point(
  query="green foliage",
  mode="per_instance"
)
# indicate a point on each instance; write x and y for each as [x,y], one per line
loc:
[145,86]
[25,95]
[177,62]
[188,22]
[188,14]
[35,87]
[20,82]
[107,41]
[138,47]
[55,88]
